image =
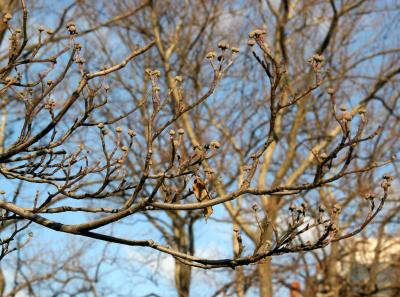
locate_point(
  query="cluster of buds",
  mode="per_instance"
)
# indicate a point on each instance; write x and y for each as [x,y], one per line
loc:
[156,73]
[131,133]
[301,210]
[178,78]
[316,62]
[209,173]
[251,42]
[71,27]
[80,61]
[321,212]
[320,156]
[369,196]
[215,144]
[9,79]
[362,111]
[317,59]
[255,207]
[77,46]
[153,73]
[14,42]
[387,182]
[257,34]
[50,105]
[7,17]
[323,156]
[223,46]
[336,209]
[246,168]
[172,135]
[346,115]
[125,150]
[297,213]
[334,228]
[211,55]
[235,50]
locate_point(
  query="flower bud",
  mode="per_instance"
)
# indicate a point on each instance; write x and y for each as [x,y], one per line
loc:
[71,27]
[251,42]
[215,144]
[330,91]
[7,17]
[223,45]
[323,156]
[337,208]
[257,33]
[156,73]
[318,58]
[131,133]
[292,207]
[211,55]
[347,116]
[369,196]
[178,78]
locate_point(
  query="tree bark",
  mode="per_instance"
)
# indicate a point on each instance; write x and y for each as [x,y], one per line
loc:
[185,242]
[182,279]
[240,282]
[265,279]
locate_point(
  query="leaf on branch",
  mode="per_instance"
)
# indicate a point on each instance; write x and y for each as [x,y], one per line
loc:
[237,242]
[201,193]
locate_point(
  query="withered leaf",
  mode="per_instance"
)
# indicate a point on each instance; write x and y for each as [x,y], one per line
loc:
[201,193]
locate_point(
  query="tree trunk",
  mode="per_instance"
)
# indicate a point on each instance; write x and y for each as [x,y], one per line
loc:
[182,279]
[265,268]
[185,243]
[2,282]
[332,270]
[240,282]
[265,279]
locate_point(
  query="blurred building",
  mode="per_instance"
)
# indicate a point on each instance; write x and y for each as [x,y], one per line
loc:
[363,267]
[371,267]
